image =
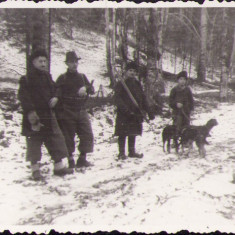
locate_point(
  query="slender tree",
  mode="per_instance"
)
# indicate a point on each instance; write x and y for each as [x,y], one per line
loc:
[232,58]
[38,31]
[224,58]
[153,84]
[108,46]
[113,43]
[203,42]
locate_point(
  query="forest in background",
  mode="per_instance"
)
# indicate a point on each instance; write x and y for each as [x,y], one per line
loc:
[201,37]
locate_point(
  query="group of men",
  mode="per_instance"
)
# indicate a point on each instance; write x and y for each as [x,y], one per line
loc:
[55,112]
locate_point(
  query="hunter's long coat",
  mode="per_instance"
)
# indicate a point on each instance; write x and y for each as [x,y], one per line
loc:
[129,119]
[35,91]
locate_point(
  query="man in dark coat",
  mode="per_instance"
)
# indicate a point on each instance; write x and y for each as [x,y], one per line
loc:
[73,89]
[37,97]
[129,118]
[181,101]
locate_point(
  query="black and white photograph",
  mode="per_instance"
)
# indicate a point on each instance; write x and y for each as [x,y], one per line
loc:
[117,119]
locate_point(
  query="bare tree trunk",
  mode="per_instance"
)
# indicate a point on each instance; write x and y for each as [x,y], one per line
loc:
[160,36]
[210,64]
[38,33]
[175,60]
[191,55]
[224,57]
[232,58]
[113,51]
[27,39]
[151,56]
[202,58]
[108,49]
[137,36]
[49,38]
[122,49]
[154,85]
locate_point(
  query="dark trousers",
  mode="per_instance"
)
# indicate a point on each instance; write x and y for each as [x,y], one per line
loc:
[77,123]
[54,142]
[180,121]
[122,144]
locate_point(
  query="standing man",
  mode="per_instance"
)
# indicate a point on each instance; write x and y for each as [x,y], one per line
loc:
[73,89]
[37,97]
[129,118]
[182,103]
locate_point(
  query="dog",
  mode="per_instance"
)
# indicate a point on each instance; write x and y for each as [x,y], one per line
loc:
[197,134]
[168,133]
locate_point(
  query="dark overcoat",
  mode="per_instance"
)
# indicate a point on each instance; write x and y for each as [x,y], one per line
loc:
[35,91]
[129,119]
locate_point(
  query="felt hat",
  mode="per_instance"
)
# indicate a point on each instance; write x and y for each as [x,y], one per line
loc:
[183,74]
[71,56]
[38,53]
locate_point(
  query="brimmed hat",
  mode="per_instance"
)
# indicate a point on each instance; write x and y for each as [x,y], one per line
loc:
[38,53]
[183,74]
[131,65]
[71,56]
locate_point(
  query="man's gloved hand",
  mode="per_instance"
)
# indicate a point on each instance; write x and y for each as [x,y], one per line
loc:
[53,101]
[179,105]
[82,91]
[34,121]
[33,118]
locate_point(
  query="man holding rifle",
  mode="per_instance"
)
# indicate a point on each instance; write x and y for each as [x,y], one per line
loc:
[131,105]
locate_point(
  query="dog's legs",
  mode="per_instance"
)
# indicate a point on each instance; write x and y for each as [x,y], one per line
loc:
[201,147]
[164,145]
[182,147]
[202,150]
[190,147]
[169,145]
[176,144]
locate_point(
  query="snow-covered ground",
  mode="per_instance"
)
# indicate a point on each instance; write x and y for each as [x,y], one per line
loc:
[159,192]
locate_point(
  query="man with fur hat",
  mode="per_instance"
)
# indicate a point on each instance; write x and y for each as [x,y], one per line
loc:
[129,118]
[73,89]
[181,101]
[37,97]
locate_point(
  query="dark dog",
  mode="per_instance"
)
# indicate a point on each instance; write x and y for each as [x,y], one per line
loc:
[197,134]
[168,133]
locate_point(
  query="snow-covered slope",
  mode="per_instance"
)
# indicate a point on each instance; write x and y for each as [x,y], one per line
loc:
[159,192]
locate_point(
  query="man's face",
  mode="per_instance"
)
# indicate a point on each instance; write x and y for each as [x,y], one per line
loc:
[40,63]
[182,81]
[72,65]
[131,73]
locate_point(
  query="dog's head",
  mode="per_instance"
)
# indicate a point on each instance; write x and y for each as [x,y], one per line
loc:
[211,123]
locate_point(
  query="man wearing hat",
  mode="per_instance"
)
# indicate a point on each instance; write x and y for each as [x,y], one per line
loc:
[73,89]
[37,97]
[129,119]
[181,101]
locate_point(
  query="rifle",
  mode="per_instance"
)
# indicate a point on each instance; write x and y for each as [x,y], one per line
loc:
[132,98]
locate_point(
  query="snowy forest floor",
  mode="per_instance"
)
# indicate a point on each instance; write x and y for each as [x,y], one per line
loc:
[161,192]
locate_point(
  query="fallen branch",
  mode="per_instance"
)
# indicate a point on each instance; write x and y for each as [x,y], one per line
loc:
[210,85]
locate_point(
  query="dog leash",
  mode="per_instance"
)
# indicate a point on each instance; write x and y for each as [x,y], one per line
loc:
[185,115]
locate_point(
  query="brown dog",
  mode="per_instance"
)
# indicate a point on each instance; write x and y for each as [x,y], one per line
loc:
[197,134]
